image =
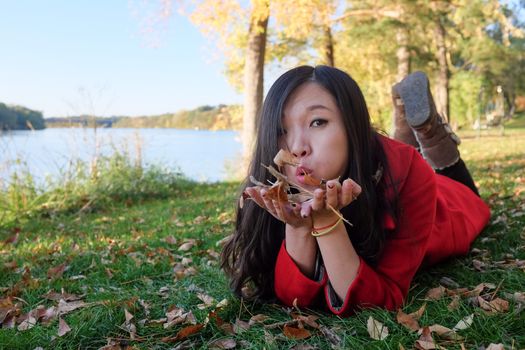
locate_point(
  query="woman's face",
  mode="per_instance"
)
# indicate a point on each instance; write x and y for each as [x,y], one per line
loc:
[315,133]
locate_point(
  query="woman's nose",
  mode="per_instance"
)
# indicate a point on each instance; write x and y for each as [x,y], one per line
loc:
[300,148]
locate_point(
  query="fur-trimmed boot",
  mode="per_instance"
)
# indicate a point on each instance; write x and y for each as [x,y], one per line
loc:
[439,145]
[402,131]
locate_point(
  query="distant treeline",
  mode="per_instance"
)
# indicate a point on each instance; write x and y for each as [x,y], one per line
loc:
[221,117]
[20,118]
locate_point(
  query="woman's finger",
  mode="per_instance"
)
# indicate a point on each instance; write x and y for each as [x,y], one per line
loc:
[318,202]
[333,189]
[306,209]
[350,190]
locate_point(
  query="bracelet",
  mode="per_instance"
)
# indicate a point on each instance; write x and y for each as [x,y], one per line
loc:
[318,232]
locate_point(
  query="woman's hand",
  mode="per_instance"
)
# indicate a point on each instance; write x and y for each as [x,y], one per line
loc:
[336,196]
[289,213]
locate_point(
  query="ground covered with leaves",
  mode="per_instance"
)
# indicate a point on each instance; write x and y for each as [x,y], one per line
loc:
[145,275]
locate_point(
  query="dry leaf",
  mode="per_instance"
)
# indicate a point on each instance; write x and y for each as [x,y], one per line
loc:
[306,319]
[493,346]
[184,247]
[376,329]
[65,307]
[226,343]
[496,305]
[128,325]
[240,326]
[63,327]
[416,315]
[184,333]
[448,282]
[64,296]
[478,265]
[206,299]
[332,336]
[284,157]
[445,333]
[28,323]
[171,240]
[296,333]
[407,320]
[259,318]
[454,304]
[56,272]
[465,323]
[14,238]
[436,293]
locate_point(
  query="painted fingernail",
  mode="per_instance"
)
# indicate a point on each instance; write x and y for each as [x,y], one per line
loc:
[331,186]
[294,205]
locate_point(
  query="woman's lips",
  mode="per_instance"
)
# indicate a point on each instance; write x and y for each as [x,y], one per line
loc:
[301,172]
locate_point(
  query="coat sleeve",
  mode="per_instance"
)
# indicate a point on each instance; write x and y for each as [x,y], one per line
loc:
[387,284]
[290,283]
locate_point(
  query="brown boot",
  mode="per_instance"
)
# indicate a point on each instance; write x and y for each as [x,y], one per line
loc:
[402,131]
[439,145]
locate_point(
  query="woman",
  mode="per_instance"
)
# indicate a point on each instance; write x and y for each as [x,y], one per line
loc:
[399,214]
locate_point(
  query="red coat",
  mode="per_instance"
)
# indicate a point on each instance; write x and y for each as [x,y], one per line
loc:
[440,219]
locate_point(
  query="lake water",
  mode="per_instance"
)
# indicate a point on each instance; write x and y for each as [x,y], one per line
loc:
[200,155]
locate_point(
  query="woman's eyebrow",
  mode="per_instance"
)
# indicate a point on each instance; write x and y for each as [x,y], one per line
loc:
[313,107]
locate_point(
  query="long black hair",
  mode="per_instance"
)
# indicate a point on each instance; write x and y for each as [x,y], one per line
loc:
[249,257]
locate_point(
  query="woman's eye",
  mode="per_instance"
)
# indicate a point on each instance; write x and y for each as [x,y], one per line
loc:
[318,122]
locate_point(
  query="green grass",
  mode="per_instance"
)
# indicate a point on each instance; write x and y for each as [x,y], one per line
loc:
[121,251]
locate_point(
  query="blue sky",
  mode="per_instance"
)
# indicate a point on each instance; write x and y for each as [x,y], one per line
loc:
[66,57]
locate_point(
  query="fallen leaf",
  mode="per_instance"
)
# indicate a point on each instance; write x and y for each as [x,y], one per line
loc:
[28,323]
[407,320]
[63,327]
[478,265]
[206,299]
[259,318]
[56,272]
[417,314]
[376,330]
[436,293]
[199,219]
[444,332]
[65,307]
[306,319]
[171,240]
[465,323]
[13,239]
[331,335]
[496,305]
[184,333]
[448,282]
[240,326]
[226,343]
[454,304]
[184,247]
[63,295]
[426,342]
[296,333]
[493,346]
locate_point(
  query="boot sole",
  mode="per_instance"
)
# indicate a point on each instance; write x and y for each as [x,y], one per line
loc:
[413,90]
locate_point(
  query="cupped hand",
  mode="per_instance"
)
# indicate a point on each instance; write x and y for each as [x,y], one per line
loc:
[325,201]
[289,213]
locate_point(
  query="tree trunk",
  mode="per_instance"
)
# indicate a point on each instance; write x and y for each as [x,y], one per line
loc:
[442,82]
[328,47]
[254,74]
[402,53]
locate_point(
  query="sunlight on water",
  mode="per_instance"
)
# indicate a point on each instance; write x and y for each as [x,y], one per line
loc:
[200,155]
